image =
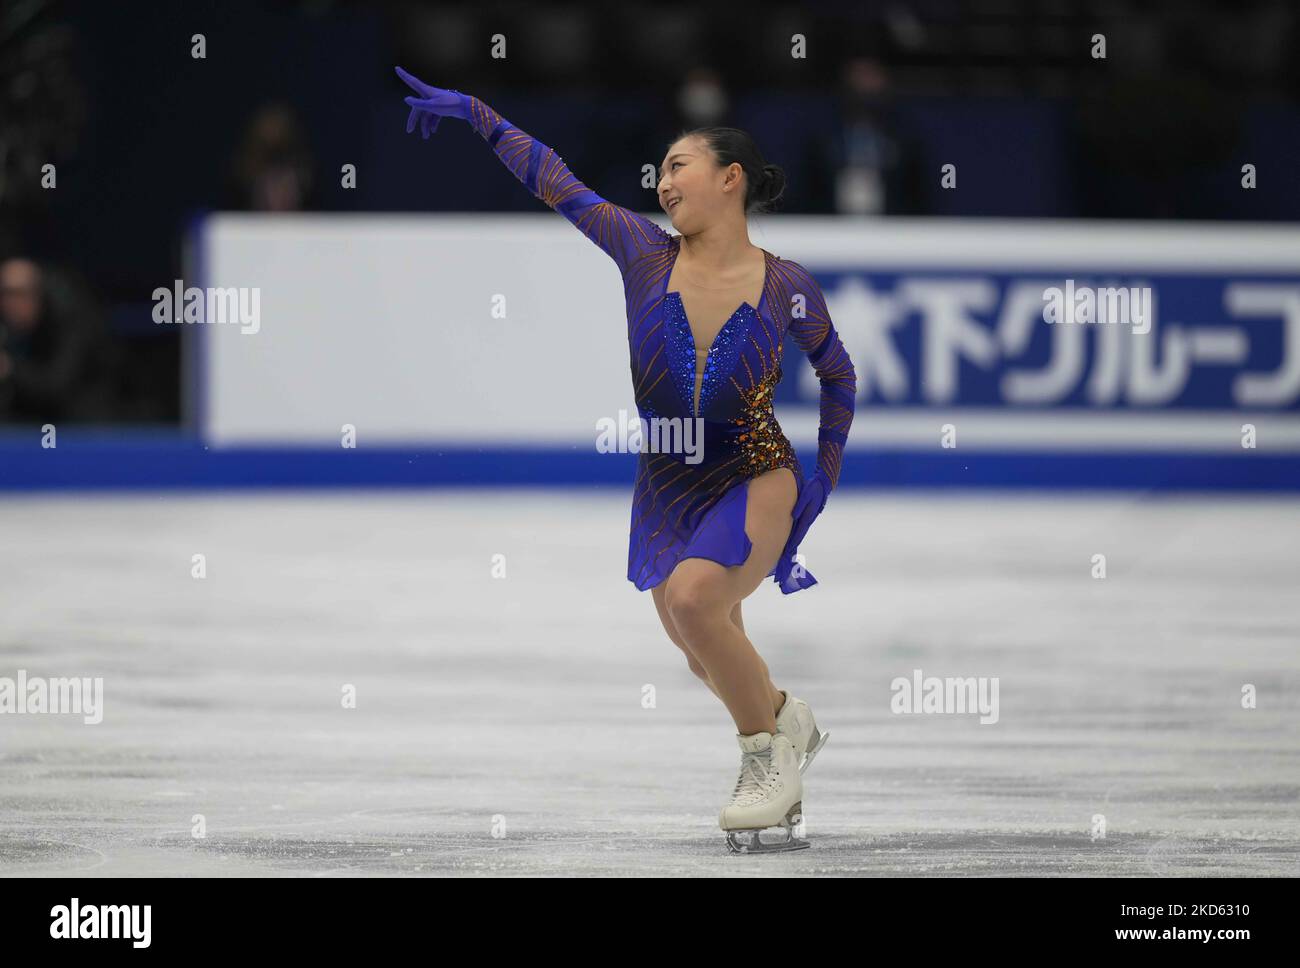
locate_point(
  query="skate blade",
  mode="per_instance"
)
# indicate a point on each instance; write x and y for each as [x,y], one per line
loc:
[808,757]
[789,835]
[755,846]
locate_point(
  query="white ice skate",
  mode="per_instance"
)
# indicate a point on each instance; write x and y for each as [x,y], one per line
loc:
[796,721]
[768,794]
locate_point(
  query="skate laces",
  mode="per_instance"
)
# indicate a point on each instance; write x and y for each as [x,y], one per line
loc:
[755,777]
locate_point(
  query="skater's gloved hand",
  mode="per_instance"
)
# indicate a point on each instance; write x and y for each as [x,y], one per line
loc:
[433,104]
[810,503]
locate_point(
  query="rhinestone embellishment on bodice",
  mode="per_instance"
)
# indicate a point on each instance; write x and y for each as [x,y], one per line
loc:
[682,355]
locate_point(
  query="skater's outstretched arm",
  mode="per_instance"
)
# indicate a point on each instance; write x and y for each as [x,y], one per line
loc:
[621,233]
[814,333]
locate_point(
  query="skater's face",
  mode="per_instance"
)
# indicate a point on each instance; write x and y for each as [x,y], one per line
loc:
[694,189]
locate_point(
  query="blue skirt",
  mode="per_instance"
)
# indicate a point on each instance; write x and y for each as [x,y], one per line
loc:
[709,525]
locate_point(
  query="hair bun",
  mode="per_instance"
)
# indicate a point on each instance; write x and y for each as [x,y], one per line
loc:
[773,183]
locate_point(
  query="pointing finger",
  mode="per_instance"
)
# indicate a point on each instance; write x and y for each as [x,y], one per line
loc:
[414,82]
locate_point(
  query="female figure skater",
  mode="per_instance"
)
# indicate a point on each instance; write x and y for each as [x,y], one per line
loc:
[707,316]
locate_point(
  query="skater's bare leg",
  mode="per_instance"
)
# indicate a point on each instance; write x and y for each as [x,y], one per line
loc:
[658,593]
[701,595]
[778,697]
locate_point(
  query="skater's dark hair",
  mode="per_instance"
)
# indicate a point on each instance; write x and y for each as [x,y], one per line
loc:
[765,184]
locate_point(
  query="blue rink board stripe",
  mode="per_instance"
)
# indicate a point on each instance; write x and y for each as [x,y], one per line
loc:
[90,463]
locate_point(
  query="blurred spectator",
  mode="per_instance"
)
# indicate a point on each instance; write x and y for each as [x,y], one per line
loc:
[876,171]
[52,353]
[273,169]
[701,100]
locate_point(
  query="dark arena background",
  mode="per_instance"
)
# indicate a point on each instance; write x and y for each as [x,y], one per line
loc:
[339,578]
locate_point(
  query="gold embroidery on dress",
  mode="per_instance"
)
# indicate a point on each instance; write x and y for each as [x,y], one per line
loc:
[762,444]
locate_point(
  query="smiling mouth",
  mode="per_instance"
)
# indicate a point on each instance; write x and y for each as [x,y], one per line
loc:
[673,203]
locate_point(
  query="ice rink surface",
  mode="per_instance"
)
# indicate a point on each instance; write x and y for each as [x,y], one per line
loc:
[502,726]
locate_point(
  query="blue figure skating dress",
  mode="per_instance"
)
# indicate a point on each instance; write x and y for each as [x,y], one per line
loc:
[682,509]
